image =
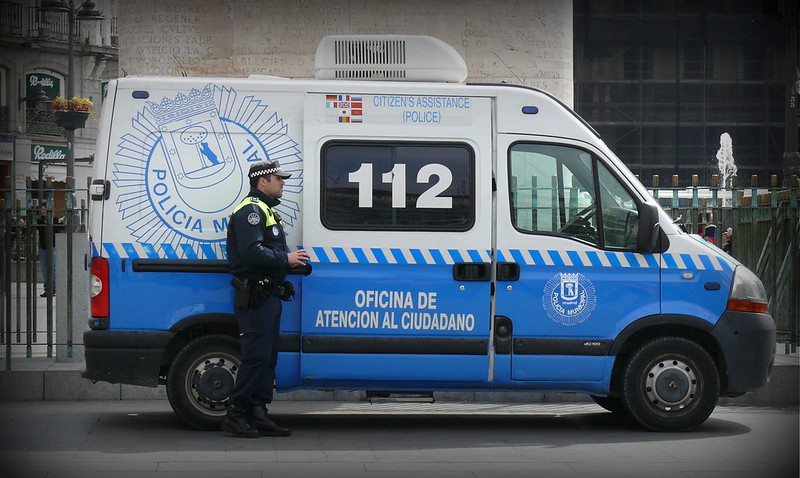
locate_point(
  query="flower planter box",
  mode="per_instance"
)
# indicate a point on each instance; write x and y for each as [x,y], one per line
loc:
[71,120]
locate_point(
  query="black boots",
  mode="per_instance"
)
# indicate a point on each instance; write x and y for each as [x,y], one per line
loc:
[265,426]
[236,421]
[250,421]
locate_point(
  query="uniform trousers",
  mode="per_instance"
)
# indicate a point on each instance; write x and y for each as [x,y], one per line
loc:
[259,333]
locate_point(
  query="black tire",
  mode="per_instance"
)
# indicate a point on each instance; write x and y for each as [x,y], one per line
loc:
[201,378]
[614,405]
[670,384]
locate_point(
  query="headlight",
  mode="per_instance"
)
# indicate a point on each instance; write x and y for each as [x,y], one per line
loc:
[747,293]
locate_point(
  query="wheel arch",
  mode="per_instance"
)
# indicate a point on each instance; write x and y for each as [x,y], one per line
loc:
[194,327]
[648,328]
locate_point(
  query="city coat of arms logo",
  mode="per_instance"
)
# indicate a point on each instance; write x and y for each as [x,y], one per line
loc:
[183,166]
[569,298]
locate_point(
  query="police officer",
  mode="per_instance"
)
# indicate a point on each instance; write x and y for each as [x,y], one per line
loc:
[259,260]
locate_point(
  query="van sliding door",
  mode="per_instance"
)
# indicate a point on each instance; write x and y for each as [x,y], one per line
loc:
[400,290]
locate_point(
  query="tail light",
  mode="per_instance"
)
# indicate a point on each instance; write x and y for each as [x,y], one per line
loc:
[99,293]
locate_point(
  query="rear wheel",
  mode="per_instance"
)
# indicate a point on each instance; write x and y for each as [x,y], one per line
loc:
[201,378]
[670,384]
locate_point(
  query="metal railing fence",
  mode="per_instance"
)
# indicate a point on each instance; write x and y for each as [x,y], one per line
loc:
[765,234]
[27,318]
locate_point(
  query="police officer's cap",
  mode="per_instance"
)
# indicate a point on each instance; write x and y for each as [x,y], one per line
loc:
[263,168]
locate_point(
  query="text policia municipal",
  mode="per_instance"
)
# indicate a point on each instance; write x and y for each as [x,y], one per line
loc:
[396,310]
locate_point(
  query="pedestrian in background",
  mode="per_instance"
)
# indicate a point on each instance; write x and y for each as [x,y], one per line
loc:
[47,248]
[727,236]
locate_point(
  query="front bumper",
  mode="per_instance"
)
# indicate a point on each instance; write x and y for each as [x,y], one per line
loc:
[130,357]
[748,345]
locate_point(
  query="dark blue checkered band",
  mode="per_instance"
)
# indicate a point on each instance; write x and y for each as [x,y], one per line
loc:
[264,172]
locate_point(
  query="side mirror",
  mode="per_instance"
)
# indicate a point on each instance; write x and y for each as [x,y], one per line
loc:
[647,238]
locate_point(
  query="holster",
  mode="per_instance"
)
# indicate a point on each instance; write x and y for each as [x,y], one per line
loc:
[253,293]
[285,291]
[242,292]
[261,290]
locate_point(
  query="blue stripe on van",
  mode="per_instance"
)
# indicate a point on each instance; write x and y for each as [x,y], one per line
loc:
[437,257]
[150,251]
[377,255]
[130,250]
[555,257]
[706,262]
[632,261]
[538,260]
[398,256]
[188,251]
[455,255]
[500,256]
[341,256]
[208,251]
[111,250]
[418,257]
[169,251]
[575,258]
[651,260]
[613,259]
[517,255]
[594,259]
[361,257]
[320,252]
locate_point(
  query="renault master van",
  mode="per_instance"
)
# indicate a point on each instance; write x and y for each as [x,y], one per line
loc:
[464,237]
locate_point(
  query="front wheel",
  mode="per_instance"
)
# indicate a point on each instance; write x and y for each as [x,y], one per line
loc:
[201,378]
[670,384]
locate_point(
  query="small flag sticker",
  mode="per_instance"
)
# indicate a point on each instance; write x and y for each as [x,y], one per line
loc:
[345,108]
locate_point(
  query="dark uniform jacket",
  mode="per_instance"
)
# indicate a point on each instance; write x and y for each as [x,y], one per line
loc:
[256,240]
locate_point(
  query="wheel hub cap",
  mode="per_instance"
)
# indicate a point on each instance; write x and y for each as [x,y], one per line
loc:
[671,385]
[212,382]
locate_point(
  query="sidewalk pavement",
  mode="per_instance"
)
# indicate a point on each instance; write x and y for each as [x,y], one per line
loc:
[143,438]
[42,378]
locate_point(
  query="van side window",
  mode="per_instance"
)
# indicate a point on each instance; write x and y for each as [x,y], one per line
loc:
[554,189]
[398,186]
[620,215]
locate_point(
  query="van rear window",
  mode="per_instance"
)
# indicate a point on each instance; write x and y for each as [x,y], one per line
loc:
[398,186]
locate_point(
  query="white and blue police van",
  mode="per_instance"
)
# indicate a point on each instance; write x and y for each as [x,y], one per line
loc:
[464,237]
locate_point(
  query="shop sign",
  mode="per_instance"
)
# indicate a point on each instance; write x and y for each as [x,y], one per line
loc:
[51,85]
[49,152]
[48,83]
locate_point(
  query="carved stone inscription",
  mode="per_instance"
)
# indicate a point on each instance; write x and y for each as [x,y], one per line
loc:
[518,41]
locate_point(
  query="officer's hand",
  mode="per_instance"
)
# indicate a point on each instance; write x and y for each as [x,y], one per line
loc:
[298,258]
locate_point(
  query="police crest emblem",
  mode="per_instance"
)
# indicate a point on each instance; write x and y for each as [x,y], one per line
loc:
[183,164]
[569,298]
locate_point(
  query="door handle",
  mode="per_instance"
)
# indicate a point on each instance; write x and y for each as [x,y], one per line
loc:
[507,271]
[472,271]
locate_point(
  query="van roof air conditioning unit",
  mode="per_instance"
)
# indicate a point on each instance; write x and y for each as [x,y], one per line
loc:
[388,57]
